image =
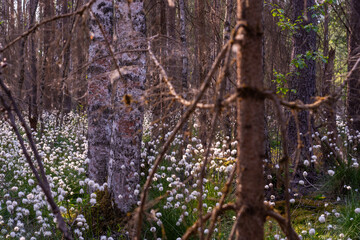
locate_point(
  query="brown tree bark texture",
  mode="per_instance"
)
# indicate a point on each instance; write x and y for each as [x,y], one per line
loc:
[250,119]
[303,80]
[353,86]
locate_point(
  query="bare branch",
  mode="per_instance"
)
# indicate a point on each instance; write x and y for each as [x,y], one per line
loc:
[191,230]
[289,232]
[186,115]
[171,88]
[25,34]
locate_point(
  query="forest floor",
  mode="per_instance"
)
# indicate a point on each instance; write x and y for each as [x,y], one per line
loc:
[324,213]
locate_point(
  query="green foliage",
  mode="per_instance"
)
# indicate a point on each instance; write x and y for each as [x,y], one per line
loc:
[285,23]
[349,221]
[344,176]
[299,60]
[281,83]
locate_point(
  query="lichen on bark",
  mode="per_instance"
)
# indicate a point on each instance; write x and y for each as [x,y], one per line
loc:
[115,125]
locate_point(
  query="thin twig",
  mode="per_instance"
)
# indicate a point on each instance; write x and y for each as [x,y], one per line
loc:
[25,34]
[171,88]
[186,115]
[289,232]
[195,226]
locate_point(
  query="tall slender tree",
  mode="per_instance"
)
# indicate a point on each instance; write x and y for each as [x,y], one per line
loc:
[250,120]
[33,96]
[353,86]
[303,80]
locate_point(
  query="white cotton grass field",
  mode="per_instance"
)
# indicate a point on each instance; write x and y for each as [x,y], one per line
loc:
[24,212]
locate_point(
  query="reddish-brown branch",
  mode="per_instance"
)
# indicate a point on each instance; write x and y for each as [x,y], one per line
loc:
[289,232]
[186,115]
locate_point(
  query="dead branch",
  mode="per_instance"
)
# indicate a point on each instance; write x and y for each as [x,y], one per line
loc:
[171,88]
[35,27]
[289,232]
[191,230]
[186,115]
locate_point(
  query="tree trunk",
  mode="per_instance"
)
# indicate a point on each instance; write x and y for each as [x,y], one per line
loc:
[303,78]
[47,59]
[328,75]
[250,120]
[21,51]
[115,105]
[201,62]
[224,84]
[353,85]
[33,107]
[184,55]
[185,64]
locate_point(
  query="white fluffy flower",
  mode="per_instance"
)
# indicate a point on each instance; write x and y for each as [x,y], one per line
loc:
[331,172]
[357,210]
[31,182]
[92,201]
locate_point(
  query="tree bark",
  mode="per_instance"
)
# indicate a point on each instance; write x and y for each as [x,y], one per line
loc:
[328,75]
[47,58]
[250,120]
[224,85]
[115,105]
[185,64]
[184,55]
[201,61]
[33,107]
[353,85]
[303,79]
[21,51]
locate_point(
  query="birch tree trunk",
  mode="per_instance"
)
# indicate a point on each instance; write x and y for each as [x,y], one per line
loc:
[115,107]
[250,120]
